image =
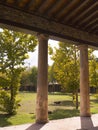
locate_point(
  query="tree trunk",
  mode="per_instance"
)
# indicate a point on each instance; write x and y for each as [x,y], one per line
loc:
[73,97]
[77,105]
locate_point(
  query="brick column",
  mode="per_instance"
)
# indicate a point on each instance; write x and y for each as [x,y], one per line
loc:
[42,82]
[84,81]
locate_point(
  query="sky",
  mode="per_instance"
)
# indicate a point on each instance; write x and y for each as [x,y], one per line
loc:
[96,53]
[33,57]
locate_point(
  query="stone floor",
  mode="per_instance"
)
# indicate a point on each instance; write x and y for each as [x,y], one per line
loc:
[74,123]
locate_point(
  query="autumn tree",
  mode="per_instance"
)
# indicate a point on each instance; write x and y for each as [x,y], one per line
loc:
[33,75]
[93,69]
[14,47]
[66,67]
[25,80]
[51,77]
[51,74]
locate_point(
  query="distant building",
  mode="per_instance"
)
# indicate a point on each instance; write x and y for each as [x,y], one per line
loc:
[54,87]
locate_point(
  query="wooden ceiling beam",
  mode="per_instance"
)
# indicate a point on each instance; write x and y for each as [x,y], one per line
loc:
[66,9]
[58,6]
[46,5]
[96,31]
[95,27]
[77,10]
[94,7]
[34,4]
[10,1]
[91,23]
[29,22]
[90,17]
[3,0]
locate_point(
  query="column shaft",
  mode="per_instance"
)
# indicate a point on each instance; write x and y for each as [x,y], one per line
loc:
[42,82]
[84,81]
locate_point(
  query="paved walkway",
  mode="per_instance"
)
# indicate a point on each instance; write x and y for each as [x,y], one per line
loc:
[74,123]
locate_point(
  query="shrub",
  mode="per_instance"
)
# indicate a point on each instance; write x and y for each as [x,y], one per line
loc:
[6,104]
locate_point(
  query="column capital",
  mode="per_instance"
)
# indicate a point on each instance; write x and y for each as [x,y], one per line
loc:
[82,46]
[42,36]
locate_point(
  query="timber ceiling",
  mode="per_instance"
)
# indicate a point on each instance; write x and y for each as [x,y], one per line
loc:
[78,14]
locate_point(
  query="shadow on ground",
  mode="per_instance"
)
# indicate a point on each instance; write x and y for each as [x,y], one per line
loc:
[87,124]
[63,103]
[62,113]
[94,101]
[35,126]
[4,120]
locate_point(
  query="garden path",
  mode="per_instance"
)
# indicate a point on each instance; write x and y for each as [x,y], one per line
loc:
[74,123]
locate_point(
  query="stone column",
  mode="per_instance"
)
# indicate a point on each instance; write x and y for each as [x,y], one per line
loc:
[84,81]
[42,82]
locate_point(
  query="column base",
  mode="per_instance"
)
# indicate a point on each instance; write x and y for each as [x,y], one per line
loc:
[85,115]
[42,122]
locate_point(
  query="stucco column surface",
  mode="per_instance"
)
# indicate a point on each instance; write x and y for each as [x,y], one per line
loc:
[84,81]
[42,82]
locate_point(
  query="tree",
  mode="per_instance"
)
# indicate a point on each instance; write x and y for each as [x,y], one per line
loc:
[25,80]
[93,69]
[66,67]
[51,76]
[29,79]
[14,47]
[33,75]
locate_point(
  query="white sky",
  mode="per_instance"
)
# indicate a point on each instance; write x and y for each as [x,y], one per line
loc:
[33,57]
[96,53]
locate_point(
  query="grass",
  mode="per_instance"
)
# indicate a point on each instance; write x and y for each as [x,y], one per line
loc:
[26,112]
[6,120]
[94,103]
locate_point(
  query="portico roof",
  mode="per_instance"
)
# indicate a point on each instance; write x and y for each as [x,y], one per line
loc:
[72,20]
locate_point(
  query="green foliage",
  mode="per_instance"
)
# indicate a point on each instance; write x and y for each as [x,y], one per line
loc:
[29,77]
[66,69]
[66,66]
[51,74]
[14,47]
[50,50]
[93,70]
[4,81]
[9,106]
[72,86]
[25,80]
[33,75]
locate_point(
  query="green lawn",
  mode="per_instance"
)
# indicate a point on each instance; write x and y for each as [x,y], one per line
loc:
[26,112]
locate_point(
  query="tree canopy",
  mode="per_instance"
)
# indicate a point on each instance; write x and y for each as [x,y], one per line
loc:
[66,65]
[14,47]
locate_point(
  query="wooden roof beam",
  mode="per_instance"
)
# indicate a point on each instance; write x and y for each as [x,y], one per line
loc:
[93,28]
[92,22]
[66,9]
[87,19]
[33,4]
[28,22]
[93,6]
[46,5]
[58,6]
[77,10]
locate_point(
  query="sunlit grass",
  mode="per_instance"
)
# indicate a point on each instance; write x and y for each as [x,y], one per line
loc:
[26,112]
[6,120]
